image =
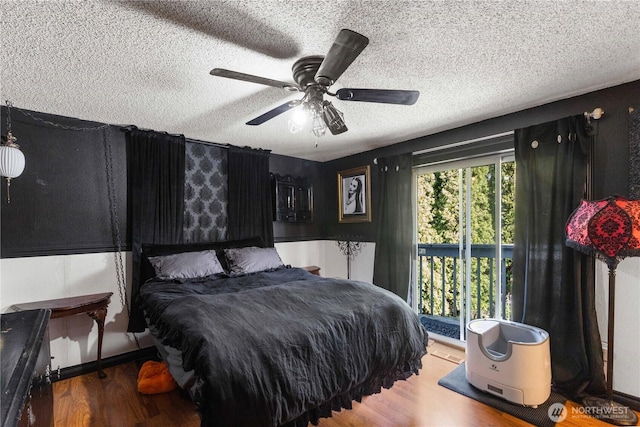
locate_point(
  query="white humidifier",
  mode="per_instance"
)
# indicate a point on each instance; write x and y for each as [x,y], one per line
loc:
[509,360]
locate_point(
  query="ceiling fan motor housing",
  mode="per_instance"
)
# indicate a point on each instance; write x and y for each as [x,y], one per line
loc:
[305,69]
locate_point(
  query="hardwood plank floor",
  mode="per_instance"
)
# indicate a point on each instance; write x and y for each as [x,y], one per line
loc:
[418,402]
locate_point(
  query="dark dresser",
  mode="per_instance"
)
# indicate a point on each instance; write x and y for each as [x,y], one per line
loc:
[25,377]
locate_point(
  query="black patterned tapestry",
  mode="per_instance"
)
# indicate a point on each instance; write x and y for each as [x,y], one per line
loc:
[634,153]
[205,193]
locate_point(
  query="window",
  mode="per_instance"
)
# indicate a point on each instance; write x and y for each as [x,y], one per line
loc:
[464,240]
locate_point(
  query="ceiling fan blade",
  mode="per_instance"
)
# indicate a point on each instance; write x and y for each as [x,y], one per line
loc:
[384,96]
[345,49]
[272,113]
[221,72]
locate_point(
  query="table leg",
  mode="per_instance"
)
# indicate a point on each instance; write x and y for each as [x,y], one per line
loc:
[99,316]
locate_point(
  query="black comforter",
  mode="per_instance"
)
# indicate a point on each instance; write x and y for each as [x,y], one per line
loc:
[284,347]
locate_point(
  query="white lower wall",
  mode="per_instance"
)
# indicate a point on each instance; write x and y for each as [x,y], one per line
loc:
[74,339]
[626,365]
[302,254]
[326,255]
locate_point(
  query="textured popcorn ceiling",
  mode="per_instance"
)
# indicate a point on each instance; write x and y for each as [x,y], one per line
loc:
[148,63]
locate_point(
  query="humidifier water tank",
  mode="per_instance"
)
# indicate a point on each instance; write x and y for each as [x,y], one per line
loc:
[509,360]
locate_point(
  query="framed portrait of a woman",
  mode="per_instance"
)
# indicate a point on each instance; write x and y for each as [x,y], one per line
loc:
[354,195]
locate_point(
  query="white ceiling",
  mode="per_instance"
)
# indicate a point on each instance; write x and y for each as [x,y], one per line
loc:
[148,63]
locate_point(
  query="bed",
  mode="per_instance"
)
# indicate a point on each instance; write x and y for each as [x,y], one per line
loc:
[258,343]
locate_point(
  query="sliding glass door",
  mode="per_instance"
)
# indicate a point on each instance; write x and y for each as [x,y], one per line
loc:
[464,229]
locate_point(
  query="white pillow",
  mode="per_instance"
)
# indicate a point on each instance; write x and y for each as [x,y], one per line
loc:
[252,259]
[186,265]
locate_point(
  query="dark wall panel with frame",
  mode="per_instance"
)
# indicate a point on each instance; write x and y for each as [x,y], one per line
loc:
[62,202]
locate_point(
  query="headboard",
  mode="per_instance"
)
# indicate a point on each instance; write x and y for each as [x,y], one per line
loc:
[149,250]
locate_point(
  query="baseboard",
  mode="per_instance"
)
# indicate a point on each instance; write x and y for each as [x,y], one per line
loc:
[86,368]
[628,400]
[451,342]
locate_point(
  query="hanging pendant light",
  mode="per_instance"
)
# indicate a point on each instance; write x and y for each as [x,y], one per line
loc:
[11,158]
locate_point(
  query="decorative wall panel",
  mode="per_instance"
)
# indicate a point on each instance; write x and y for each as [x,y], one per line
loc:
[205,193]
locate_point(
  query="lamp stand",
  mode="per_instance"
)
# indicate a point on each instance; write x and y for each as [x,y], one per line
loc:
[349,249]
[606,409]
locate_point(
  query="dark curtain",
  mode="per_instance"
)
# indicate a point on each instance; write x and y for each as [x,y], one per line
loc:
[553,286]
[250,211]
[156,199]
[392,267]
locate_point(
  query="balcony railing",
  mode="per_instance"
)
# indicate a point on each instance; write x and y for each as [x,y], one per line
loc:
[440,283]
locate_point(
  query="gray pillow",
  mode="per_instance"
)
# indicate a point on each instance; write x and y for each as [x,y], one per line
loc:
[186,265]
[252,259]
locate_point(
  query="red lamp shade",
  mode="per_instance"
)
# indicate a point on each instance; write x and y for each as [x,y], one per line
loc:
[608,229]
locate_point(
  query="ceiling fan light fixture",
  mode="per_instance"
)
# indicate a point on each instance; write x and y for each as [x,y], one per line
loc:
[312,110]
[333,118]
[318,127]
[322,115]
[298,119]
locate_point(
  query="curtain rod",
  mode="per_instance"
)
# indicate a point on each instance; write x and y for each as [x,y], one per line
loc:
[461,143]
[215,144]
[595,114]
[198,141]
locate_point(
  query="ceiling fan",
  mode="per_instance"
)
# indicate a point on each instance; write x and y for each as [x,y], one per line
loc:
[314,75]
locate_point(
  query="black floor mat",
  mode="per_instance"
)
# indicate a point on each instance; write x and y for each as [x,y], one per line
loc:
[457,381]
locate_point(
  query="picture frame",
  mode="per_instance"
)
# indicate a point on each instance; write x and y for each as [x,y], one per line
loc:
[354,195]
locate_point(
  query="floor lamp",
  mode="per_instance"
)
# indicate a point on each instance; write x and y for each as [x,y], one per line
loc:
[608,229]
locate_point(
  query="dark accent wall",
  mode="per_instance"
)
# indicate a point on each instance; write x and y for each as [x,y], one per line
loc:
[287,231]
[610,168]
[60,203]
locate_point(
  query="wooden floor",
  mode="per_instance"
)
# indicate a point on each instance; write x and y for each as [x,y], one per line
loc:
[114,401]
